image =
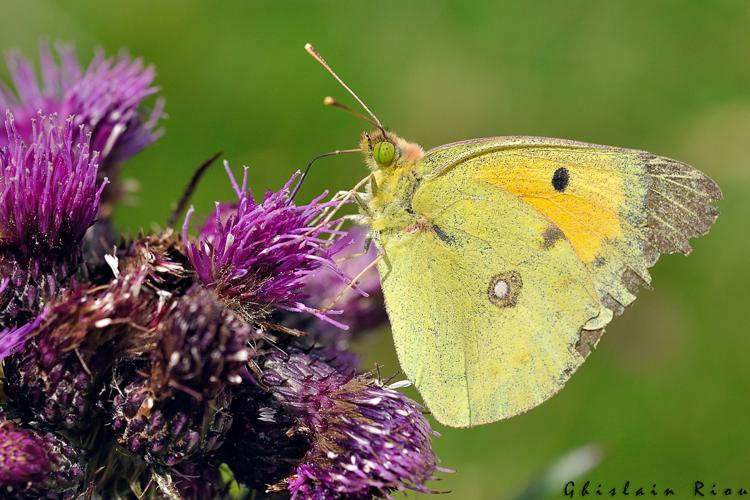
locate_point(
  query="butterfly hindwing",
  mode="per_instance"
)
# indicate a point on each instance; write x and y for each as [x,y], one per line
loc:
[486,323]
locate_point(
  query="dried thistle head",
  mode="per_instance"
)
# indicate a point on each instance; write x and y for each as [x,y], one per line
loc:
[173,402]
[57,375]
[37,464]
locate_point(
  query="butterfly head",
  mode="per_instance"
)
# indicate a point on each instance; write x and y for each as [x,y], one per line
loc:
[383,149]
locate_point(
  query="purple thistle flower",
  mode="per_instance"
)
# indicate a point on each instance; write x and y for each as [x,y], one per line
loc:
[36,464]
[106,97]
[260,255]
[50,194]
[49,197]
[363,309]
[167,430]
[367,439]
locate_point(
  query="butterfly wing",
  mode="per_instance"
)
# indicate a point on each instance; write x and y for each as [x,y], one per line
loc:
[485,324]
[620,208]
[579,242]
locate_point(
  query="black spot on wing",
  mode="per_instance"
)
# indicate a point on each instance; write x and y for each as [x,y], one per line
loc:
[560,179]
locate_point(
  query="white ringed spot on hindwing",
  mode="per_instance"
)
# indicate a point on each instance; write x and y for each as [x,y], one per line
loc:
[505,288]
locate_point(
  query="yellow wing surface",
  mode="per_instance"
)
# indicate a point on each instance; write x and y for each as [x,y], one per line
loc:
[525,249]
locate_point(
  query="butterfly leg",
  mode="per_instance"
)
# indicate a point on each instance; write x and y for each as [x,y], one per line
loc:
[365,250]
[387,263]
[375,237]
[361,200]
[344,196]
[352,283]
[355,218]
[373,185]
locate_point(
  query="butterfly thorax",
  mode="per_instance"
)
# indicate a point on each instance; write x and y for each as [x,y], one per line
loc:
[394,180]
[390,199]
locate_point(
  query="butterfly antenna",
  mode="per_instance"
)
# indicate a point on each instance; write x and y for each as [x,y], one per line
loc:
[316,55]
[333,103]
[304,175]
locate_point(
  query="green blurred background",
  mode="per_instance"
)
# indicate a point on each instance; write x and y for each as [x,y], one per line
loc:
[666,393]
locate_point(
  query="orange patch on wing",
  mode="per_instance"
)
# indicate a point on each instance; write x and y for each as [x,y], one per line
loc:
[584,223]
[587,211]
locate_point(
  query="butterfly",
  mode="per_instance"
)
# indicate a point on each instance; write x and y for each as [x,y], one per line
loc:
[502,259]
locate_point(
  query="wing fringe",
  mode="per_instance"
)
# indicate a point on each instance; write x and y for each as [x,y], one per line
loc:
[678,210]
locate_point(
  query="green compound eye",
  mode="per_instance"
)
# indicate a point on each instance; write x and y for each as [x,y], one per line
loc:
[383,153]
